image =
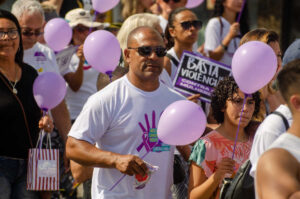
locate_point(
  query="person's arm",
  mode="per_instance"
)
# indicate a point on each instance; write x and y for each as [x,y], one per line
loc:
[80,173]
[277,175]
[219,51]
[87,154]
[75,79]
[56,3]
[202,187]
[62,120]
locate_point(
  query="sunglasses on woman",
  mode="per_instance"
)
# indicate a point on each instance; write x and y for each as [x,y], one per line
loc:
[146,51]
[186,25]
[82,29]
[175,1]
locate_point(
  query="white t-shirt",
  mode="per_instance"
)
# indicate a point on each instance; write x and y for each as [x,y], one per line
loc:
[120,118]
[268,131]
[165,78]
[41,58]
[76,100]
[173,66]
[213,38]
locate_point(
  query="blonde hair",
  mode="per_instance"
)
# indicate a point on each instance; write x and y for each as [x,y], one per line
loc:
[134,21]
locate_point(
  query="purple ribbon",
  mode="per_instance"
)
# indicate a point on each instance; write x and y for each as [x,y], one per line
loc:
[240,14]
[237,132]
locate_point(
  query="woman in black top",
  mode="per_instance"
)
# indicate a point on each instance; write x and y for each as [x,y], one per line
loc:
[20,117]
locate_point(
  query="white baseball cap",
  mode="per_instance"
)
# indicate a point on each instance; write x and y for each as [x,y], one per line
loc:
[80,16]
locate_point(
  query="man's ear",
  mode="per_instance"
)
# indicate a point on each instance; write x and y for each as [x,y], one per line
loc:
[295,102]
[127,55]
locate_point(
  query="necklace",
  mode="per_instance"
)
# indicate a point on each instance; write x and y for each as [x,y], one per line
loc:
[15,91]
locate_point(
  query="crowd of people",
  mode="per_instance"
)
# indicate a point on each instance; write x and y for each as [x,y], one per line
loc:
[106,126]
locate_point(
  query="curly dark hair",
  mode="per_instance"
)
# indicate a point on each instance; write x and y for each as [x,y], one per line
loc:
[224,91]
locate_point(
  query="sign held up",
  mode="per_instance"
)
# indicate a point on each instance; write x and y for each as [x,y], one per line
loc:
[199,74]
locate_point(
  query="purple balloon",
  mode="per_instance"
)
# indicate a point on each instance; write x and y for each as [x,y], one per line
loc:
[104,5]
[193,3]
[102,51]
[254,64]
[182,123]
[49,89]
[57,34]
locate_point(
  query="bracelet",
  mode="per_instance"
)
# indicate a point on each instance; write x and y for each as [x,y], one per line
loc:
[224,47]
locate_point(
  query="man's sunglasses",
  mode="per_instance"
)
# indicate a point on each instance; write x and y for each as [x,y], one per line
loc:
[29,33]
[147,50]
[186,25]
[175,1]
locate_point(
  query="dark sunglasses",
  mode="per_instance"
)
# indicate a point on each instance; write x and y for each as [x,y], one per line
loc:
[12,34]
[82,29]
[147,50]
[175,1]
[186,25]
[29,33]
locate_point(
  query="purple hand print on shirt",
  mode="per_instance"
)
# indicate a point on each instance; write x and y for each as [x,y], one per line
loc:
[149,137]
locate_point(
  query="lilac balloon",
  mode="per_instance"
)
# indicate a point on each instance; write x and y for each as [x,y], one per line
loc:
[182,123]
[49,89]
[102,51]
[57,34]
[254,64]
[193,3]
[104,5]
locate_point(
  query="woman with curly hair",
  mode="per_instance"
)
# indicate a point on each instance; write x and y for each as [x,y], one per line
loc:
[211,155]
[223,33]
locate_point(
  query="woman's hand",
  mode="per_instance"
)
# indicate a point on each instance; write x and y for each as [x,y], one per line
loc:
[226,166]
[46,124]
[234,30]
[80,54]
[194,98]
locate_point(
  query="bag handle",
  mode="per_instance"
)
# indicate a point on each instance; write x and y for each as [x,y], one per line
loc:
[40,140]
[21,105]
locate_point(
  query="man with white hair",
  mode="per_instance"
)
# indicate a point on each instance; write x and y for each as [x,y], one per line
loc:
[31,18]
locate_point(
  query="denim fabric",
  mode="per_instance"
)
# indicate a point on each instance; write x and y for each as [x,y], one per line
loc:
[13,176]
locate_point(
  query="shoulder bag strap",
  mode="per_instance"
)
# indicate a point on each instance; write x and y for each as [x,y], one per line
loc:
[21,105]
[173,59]
[286,123]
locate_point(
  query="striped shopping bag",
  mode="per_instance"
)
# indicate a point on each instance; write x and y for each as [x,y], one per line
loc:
[43,168]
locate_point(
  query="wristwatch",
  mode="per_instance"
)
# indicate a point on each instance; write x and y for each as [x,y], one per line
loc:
[224,47]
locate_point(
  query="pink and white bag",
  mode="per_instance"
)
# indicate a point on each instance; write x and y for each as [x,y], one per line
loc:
[43,167]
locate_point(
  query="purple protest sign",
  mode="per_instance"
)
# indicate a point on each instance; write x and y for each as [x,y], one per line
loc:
[199,74]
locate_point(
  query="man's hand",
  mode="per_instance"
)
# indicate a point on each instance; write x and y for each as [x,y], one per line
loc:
[131,165]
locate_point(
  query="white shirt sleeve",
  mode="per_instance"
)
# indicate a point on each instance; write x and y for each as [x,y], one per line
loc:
[212,34]
[92,122]
[266,134]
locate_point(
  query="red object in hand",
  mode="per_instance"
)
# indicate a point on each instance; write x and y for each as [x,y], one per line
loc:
[141,178]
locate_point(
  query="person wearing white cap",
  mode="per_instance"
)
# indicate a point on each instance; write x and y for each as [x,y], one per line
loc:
[80,76]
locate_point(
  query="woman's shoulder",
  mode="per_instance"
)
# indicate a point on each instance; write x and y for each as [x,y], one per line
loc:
[28,69]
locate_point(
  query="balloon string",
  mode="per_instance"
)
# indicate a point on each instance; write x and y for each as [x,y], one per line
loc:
[94,19]
[125,174]
[237,132]
[241,12]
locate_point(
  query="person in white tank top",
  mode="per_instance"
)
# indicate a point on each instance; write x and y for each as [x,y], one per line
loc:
[278,169]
